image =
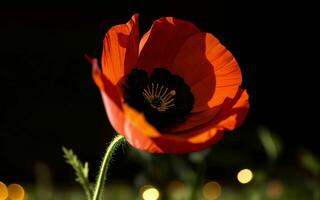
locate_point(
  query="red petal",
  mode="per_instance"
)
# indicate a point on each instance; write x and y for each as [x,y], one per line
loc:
[110,96]
[209,68]
[211,71]
[231,116]
[233,111]
[120,50]
[159,46]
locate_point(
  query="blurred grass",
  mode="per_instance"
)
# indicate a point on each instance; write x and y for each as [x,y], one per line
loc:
[179,177]
[267,190]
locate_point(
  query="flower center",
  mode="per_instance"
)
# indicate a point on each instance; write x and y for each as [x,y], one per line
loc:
[159,97]
[164,98]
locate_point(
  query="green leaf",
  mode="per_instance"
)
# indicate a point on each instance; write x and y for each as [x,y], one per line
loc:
[270,142]
[81,170]
[310,162]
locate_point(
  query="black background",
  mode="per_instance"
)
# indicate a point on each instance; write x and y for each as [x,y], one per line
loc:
[48,98]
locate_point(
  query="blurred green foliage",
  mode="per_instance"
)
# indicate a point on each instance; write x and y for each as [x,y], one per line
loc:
[182,177]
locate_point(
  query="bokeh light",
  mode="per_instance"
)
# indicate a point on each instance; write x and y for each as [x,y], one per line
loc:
[245,176]
[3,191]
[274,189]
[150,193]
[16,192]
[177,190]
[211,190]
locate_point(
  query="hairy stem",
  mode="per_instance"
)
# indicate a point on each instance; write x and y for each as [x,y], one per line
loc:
[98,190]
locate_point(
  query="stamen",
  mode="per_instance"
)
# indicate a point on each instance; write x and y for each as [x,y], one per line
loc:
[169,95]
[159,100]
[164,99]
[160,90]
[164,93]
[156,89]
[150,92]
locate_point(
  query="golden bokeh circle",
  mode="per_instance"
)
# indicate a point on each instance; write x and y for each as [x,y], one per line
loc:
[3,191]
[16,192]
[211,190]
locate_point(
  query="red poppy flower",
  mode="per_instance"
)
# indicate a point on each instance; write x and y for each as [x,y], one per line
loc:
[174,91]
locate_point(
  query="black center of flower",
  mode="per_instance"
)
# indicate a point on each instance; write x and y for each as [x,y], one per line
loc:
[156,102]
[159,97]
[164,98]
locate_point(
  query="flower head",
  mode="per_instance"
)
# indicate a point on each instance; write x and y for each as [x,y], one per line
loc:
[176,90]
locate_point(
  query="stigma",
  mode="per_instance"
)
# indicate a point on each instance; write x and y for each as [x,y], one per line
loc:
[159,97]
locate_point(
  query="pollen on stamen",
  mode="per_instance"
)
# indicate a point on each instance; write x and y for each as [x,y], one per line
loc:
[159,99]
[164,99]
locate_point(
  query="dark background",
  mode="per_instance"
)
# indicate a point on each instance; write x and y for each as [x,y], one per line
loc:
[48,98]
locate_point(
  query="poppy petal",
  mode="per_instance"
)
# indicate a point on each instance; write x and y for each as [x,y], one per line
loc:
[110,97]
[144,136]
[232,116]
[196,119]
[176,145]
[141,135]
[228,116]
[120,50]
[138,132]
[211,71]
[138,120]
[234,112]
[159,46]
[209,68]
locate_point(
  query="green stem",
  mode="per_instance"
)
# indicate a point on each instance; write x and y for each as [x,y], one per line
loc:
[105,165]
[197,180]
